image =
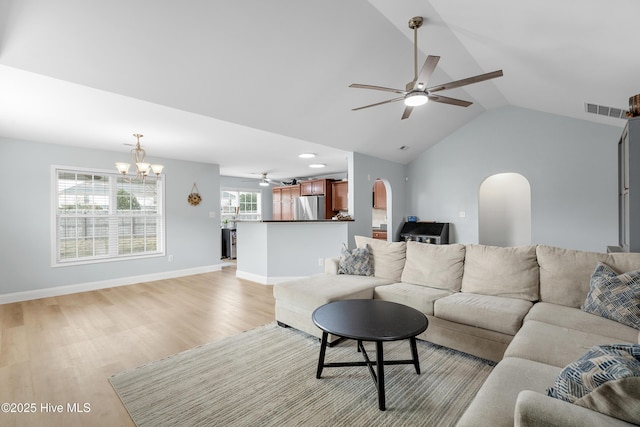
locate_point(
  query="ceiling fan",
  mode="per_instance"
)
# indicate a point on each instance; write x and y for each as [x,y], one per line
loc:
[264,181]
[416,92]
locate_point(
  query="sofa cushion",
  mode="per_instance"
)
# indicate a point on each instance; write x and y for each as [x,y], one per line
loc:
[311,292]
[495,313]
[419,297]
[535,409]
[614,296]
[356,261]
[388,257]
[573,318]
[565,273]
[437,266]
[605,377]
[554,345]
[508,272]
[495,402]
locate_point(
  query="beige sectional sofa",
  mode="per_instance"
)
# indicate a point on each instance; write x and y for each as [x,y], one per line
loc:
[518,306]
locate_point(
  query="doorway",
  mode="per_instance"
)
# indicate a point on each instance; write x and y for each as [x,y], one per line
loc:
[379,213]
[504,210]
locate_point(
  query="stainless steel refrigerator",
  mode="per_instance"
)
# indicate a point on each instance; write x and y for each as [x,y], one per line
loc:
[308,208]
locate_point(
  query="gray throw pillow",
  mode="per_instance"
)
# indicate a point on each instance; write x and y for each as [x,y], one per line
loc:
[356,262]
[614,296]
[605,379]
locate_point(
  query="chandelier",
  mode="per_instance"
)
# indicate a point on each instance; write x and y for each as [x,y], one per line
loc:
[137,156]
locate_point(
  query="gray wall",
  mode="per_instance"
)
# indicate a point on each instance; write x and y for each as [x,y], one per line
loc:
[193,238]
[363,171]
[570,164]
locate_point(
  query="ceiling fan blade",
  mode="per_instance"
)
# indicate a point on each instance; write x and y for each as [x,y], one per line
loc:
[447,100]
[425,73]
[386,89]
[407,112]
[467,81]
[379,103]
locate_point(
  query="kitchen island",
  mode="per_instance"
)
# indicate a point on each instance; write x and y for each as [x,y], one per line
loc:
[271,252]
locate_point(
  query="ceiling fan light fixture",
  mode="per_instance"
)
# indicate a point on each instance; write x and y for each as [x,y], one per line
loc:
[415,98]
[264,183]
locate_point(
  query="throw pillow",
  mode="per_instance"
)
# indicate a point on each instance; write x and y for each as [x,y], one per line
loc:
[356,262]
[614,296]
[387,257]
[605,379]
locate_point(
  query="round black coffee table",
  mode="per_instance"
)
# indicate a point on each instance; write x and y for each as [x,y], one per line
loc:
[370,320]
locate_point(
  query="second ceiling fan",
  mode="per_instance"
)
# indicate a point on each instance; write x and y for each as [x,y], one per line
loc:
[416,92]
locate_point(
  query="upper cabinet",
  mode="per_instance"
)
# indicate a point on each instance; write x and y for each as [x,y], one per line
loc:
[316,187]
[340,195]
[379,195]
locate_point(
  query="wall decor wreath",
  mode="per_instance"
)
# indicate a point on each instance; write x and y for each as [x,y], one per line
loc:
[194,198]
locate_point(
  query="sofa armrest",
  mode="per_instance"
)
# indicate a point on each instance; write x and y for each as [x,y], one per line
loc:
[537,410]
[331,265]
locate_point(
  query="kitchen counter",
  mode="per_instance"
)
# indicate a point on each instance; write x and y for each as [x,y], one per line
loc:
[270,252]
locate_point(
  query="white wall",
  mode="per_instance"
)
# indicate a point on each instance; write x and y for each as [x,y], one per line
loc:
[193,238]
[504,210]
[570,164]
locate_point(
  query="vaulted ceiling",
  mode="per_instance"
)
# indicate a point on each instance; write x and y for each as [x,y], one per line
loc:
[249,84]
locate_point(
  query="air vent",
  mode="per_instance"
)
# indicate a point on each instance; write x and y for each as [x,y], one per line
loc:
[601,110]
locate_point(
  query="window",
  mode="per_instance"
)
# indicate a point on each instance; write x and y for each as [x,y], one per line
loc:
[101,216]
[239,205]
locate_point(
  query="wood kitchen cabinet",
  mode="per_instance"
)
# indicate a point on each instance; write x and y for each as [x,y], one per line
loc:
[340,195]
[315,187]
[379,195]
[381,235]
[283,202]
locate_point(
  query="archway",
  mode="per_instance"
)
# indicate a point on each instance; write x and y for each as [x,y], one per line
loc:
[380,212]
[504,210]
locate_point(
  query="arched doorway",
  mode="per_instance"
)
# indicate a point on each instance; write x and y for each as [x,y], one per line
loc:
[504,210]
[380,212]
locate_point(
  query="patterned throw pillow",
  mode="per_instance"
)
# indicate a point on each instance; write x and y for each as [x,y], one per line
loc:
[356,262]
[605,379]
[614,296]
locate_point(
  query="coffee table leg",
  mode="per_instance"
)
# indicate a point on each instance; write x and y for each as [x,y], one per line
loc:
[380,366]
[323,349]
[414,354]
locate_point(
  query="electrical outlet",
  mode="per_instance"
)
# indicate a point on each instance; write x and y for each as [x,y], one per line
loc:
[320,262]
[170,258]
[462,214]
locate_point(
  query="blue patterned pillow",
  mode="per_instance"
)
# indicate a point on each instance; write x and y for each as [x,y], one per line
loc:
[356,262]
[604,379]
[614,296]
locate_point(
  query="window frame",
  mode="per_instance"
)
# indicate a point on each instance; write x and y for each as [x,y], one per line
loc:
[230,217]
[112,218]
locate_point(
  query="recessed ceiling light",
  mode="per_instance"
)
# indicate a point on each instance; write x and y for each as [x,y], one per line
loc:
[306,155]
[317,165]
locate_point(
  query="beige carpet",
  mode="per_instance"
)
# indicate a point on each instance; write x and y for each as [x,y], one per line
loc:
[266,377]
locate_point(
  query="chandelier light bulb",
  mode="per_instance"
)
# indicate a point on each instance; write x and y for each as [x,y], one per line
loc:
[137,156]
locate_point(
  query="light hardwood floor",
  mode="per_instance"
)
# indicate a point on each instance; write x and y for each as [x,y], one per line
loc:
[62,350]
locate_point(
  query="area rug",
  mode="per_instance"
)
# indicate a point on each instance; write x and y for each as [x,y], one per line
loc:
[266,377]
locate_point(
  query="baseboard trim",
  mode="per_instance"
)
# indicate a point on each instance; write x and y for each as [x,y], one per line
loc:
[111,283]
[265,280]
